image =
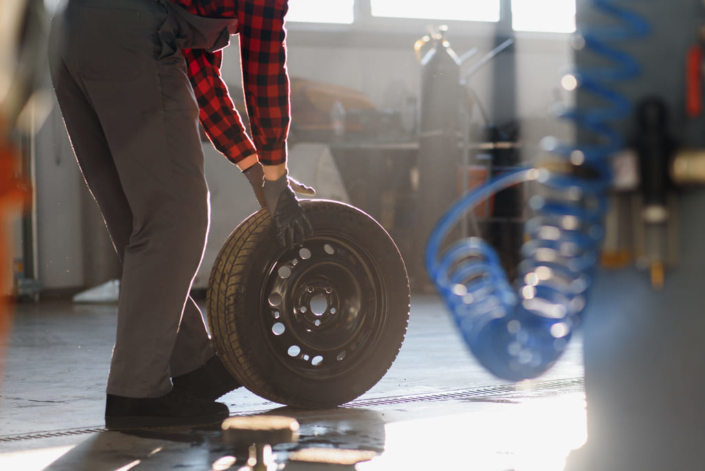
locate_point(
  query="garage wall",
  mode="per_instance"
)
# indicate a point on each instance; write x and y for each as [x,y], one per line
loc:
[540,62]
[59,185]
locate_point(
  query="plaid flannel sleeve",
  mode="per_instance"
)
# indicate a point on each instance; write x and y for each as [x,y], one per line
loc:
[221,121]
[265,77]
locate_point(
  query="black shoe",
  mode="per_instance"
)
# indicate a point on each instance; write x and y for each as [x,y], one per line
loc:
[208,382]
[176,409]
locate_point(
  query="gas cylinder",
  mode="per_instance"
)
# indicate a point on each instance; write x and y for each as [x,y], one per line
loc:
[440,86]
[439,152]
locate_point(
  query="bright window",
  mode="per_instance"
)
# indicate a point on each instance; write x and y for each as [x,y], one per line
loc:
[463,10]
[557,16]
[322,11]
[551,16]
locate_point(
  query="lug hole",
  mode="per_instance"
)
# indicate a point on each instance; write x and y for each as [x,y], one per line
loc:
[294,351]
[278,328]
[275,299]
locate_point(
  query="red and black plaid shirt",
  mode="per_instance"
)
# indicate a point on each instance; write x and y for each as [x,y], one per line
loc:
[264,76]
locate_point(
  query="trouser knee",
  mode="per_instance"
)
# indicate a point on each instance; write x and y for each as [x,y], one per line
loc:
[176,230]
[190,229]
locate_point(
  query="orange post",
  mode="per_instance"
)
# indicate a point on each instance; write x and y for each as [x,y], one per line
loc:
[694,82]
[13,193]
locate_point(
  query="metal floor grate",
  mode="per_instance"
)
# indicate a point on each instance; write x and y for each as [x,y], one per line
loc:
[537,388]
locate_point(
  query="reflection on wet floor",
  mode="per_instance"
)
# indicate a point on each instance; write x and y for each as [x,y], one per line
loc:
[435,410]
[530,433]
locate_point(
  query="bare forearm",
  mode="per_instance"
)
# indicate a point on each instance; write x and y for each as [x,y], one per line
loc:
[247,162]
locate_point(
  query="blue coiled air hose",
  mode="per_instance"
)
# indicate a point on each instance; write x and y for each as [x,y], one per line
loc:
[518,333]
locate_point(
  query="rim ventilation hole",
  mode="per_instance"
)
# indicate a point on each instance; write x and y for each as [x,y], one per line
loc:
[306,357]
[305,253]
[278,328]
[319,304]
[341,356]
[317,360]
[284,272]
[303,309]
[333,310]
[276,314]
[275,299]
[294,351]
[317,323]
[329,249]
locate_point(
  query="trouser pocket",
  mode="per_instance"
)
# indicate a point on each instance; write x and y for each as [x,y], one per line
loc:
[109,43]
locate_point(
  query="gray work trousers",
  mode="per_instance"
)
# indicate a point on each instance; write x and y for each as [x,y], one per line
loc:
[132,117]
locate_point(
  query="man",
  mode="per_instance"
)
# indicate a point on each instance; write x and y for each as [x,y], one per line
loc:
[128,101]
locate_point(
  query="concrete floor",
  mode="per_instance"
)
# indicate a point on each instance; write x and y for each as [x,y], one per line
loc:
[436,408]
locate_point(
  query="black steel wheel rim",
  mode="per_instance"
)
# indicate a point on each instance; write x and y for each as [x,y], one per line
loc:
[324,307]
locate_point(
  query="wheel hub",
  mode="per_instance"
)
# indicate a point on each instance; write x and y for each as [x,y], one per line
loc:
[322,306]
[317,304]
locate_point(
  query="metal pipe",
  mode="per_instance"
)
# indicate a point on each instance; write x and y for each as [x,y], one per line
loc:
[488,58]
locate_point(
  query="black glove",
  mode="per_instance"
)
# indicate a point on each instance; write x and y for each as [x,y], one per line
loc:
[290,222]
[255,175]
